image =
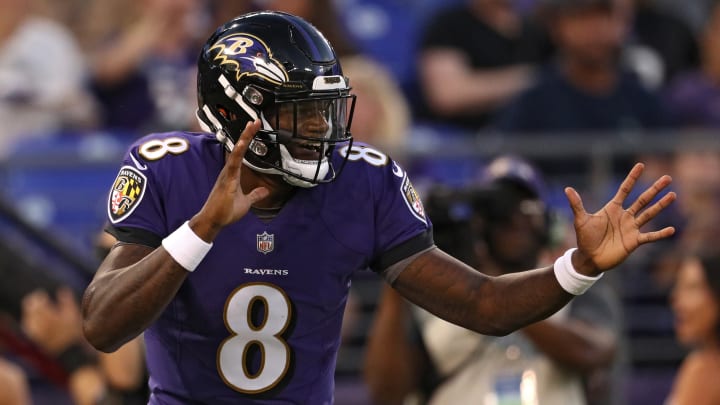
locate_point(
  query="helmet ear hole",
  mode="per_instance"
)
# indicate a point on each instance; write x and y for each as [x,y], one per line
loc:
[226,113]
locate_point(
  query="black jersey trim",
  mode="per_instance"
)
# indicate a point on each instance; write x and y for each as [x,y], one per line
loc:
[134,235]
[408,248]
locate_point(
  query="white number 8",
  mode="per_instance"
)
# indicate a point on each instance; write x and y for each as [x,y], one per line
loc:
[275,353]
[155,149]
[370,155]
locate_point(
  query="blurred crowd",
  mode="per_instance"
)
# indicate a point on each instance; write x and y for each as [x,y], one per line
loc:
[484,73]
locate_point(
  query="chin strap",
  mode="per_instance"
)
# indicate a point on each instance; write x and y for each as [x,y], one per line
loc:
[301,169]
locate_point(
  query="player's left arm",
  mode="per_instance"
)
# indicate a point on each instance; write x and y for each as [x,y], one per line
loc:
[499,305]
[462,295]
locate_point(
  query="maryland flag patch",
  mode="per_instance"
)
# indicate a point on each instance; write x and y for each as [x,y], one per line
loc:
[412,199]
[126,194]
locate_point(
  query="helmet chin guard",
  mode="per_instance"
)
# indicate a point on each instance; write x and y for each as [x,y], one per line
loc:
[278,68]
[303,169]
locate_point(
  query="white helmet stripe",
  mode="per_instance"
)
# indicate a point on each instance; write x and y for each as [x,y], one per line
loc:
[212,118]
[205,127]
[227,87]
[219,134]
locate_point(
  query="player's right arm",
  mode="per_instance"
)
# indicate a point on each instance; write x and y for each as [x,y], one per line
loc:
[131,288]
[135,283]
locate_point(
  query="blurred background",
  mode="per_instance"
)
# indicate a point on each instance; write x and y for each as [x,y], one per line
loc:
[581,89]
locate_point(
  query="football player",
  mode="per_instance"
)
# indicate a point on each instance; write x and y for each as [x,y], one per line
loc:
[237,246]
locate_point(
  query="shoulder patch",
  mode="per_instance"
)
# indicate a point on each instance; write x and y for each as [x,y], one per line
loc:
[412,199]
[127,191]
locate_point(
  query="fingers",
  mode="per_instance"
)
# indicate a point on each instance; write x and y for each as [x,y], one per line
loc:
[575,202]
[627,185]
[656,235]
[35,301]
[648,195]
[50,325]
[235,158]
[36,309]
[39,302]
[655,209]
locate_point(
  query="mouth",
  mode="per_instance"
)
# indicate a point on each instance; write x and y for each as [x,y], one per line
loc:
[306,150]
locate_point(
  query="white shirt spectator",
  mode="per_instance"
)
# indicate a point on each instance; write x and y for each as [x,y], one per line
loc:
[42,82]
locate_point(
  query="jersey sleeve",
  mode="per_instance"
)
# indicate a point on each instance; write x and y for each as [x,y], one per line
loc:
[402,228]
[135,200]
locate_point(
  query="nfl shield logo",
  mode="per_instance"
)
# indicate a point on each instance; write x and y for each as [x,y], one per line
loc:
[265,243]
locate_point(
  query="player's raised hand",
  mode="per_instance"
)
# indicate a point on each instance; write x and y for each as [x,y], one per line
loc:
[227,202]
[607,237]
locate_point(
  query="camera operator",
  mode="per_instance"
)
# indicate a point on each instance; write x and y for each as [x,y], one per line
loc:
[501,227]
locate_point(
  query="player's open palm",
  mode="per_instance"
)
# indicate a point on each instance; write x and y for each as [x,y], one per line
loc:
[607,237]
[227,202]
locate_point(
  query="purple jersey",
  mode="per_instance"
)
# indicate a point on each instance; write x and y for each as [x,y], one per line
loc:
[259,320]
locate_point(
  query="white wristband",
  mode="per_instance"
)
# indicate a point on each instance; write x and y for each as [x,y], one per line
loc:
[570,280]
[186,247]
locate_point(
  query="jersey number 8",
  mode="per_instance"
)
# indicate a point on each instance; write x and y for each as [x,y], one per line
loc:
[233,352]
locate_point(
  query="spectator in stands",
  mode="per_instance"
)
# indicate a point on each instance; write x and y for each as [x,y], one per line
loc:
[586,90]
[382,115]
[696,305]
[694,97]
[451,365]
[42,76]
[43,314]
[473,59]
[54,325]
[142,56]
[647,280]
